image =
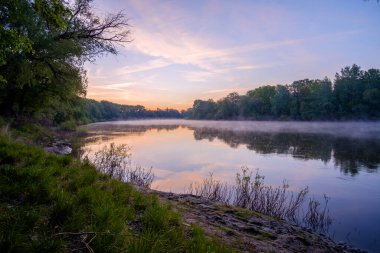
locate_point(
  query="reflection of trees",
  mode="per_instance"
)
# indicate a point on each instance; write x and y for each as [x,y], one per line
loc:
[105,132]
[356,155]
[123,128]
[350,155]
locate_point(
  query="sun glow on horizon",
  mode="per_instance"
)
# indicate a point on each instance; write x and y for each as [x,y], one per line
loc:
[179,54]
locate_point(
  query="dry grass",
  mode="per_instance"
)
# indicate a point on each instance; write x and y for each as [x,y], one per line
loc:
[250,192]
[115,161]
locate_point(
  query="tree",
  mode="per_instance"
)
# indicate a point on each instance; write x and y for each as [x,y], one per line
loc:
[348,92]
[228,107]
[280,104]
[318,100]
[262,99]
[371,95]
[46,43]
[355,94]
[204,109]
[299,91]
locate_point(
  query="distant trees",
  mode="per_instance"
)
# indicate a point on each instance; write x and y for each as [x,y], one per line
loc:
[355,94]
[43,45]
[204,109]
[91,110]
[280,104]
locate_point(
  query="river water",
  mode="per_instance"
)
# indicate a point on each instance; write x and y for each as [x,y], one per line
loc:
[341,160]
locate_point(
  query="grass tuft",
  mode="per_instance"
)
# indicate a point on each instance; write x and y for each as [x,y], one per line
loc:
[250,192]
[52,203]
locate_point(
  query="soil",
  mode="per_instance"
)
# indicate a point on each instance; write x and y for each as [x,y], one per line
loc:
[245,230]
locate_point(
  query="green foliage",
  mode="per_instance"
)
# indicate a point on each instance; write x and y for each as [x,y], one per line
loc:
[281,102]
[50,203]
[200,245]
[228,107]
[355,94]
[88,110]
[204,109]
[43,46]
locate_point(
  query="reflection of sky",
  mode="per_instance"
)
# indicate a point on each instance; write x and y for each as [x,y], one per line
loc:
[183,50]
[178,160]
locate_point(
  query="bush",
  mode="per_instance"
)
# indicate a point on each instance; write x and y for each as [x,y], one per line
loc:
[68,125]
[115,161]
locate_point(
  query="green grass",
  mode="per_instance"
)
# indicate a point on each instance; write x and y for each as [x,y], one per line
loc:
[32,134]
[52,203]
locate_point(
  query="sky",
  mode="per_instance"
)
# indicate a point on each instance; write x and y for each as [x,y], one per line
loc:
[184,50]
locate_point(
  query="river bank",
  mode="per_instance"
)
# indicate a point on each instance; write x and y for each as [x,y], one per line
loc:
[75,207]
[51,203]
[245,230]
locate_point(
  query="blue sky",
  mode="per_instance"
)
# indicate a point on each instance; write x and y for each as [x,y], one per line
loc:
[183,50]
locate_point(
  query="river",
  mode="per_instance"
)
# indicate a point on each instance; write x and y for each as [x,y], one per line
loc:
[339,159]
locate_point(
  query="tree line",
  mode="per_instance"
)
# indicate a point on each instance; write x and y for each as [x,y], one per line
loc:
[85,110]
[354,95]
[44,44]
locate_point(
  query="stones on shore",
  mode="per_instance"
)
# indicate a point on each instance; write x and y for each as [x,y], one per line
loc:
[248,231]
[59,147]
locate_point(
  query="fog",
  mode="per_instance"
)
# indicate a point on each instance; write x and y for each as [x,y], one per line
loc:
[339,129]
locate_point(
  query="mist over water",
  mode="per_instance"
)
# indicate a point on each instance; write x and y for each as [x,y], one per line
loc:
[340,159]
[342,129]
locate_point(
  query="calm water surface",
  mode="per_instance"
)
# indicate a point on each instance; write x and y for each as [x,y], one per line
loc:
[341,160]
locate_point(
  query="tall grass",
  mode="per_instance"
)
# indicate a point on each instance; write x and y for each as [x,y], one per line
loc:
[211,189]
[250,191]
[318,215]
[52,203]
[115,161]
[5,131]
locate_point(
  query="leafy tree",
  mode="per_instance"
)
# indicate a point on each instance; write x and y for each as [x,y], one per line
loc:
[247,107]
[355,94]
[348,91]
[228,107]
[280,104]
[318,101]
[82,111]
[371,95]
[44,44]
[204,109]
[299,91]
[263,97]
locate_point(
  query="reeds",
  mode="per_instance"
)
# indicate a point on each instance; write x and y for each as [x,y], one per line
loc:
[115,161]
[318,218]
[250,192]
[211,189]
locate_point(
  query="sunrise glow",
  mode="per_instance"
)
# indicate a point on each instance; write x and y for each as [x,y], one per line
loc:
[187,50]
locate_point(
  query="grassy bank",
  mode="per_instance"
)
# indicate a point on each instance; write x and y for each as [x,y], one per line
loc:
[51,203]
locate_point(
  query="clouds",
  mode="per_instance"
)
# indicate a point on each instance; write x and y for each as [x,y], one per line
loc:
[191,49]
[224,91]
[149,65]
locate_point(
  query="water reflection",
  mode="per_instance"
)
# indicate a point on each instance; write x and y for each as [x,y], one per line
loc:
[350,155]
[339,159]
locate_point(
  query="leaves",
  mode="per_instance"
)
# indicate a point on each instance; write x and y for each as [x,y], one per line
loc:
[43,47]
[355,94]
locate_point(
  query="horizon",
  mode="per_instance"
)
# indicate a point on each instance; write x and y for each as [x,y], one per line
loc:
[179,54]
